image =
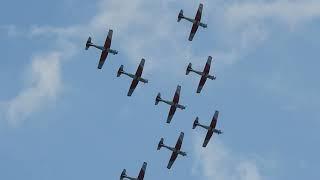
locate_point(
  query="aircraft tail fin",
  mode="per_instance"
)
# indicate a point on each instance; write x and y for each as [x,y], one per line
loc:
[180,16]
[88,43]
[189,68]
[123,174]
[195,123]
[160,145]
[158,98]
[120,71]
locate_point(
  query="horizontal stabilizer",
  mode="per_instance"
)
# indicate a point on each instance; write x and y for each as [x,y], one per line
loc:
[189,68]
[195,123]
[158,98]
[120,71]
[180,16]
[160,144]
[88,43]
[123,174]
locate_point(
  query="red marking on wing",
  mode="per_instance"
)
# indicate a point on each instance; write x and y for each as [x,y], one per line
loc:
[214,120]
[105,53]
[207,139]
[179,142]
[107,43]
[171,113]
[199,13]
[142,171]
[177,95]
[172,159]
[207,66]
[201,83]
[193,31]
[103,58]
[133,86]
[140,68]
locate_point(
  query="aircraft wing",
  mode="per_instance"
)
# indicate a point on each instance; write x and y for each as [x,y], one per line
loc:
[207,66]
[193,31]
[140,68]
[212,126]
[208,137]
[177,94]
[103,58]
[172,159]
[133,86]
[171,113]
[142,171]
[205,73]
[179,142]
[199,13]
[201,83]
[214,120]
[105,53]
[195,25]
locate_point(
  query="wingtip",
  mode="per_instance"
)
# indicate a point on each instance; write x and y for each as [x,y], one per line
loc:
[169,119]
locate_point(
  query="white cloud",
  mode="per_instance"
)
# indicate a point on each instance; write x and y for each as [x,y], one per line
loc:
[218,162]
[290,12]
[43,85]
[244,25]
[159,39]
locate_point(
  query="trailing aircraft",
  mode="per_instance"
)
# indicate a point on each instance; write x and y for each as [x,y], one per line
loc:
[211,129]
[174,103]
[136,77]
[175,150]
[140,176]
[204,74]
[105,49]
[196,21]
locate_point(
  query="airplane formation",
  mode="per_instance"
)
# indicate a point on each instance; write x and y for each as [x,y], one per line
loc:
[174,104]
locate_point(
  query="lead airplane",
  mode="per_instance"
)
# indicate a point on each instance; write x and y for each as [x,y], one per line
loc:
[105,49]
[141,174]
[136,77]
[174,103]
[196,21]
[211,129]
[204,74]
[175,150]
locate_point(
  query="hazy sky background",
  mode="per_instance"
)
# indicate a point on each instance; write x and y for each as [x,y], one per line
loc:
[62,118]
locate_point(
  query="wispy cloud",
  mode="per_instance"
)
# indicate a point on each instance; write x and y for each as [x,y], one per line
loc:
[288,12]
[43,85]
[218,162]
[158,38]
[244,25]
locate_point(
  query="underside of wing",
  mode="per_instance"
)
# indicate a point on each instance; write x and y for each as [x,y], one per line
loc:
[142,171]
[171,113]
[207,138]
[207,66]
[199,12]
[201,83]
[214,120]
[103,58]
[132,87]
[172,160]
[140,68]
[179,142]
[193,31]
[177,94]
[107,43]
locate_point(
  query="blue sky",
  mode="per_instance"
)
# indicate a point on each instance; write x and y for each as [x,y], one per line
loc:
[61,118]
